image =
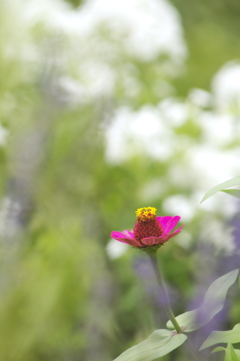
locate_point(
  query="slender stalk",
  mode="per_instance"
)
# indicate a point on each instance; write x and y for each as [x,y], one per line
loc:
[165,298]
[164,294]
[166,302]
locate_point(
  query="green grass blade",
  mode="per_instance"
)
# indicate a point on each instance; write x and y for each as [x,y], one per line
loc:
[212,304]
[233,192]
[220,187]
[231,336]
[158,344]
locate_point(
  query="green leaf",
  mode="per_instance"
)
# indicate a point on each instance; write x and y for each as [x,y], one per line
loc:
[220,187]
[159,343]
[232,336]
[230,354]
[212,304]
[233,192]
[219,348]
[237,352]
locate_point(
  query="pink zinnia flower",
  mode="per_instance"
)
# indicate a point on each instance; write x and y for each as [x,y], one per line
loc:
[149,230]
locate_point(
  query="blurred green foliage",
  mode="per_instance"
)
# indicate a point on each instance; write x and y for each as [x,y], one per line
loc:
[211,31]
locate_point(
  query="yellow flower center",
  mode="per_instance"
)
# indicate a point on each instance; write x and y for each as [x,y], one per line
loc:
[146,213]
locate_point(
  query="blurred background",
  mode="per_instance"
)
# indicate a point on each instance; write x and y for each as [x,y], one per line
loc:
[107,106]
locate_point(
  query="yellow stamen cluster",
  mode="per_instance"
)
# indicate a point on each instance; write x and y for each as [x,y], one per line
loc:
[146,213]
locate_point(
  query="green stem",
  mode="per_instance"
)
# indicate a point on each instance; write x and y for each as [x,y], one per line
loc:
[166,302]
[163,289]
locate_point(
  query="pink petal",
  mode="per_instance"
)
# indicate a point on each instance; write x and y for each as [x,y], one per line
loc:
[168,222]
[178,229]
[129,234]
[123,234]
[173,234]
[125,237]
[149,241]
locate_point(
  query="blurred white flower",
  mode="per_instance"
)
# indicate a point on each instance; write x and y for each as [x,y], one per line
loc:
[179,204]
[94,37]
[153,190]
[116,249]
[226,85]
[200,97]
[217,233]
[211,166]
[151,26]
[97,78]
[176,113]
[140,132]
[3,135]
[218,129]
